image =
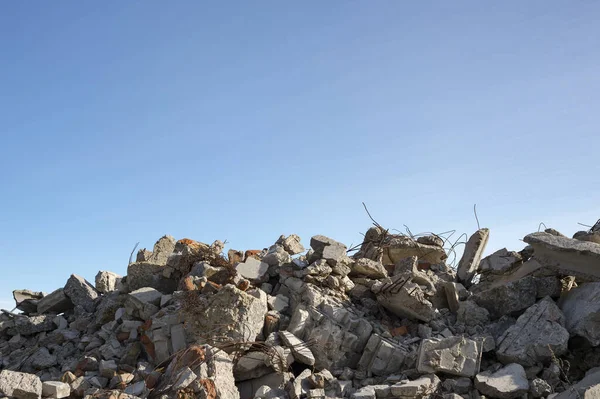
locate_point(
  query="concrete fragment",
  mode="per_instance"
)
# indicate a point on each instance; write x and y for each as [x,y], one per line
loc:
[423,387]
[382,357]
[328,249]
[339,336]
[300,350]
[56,302]
[81,293]
[26,300]
[404,298]
[251,365]
[506,383]
[43,359]
[369,268]
[146,295]
[567,256]
[396,248]
[145,274]
[185,378]
[452,295]
[230,313]
[539,388]
[581,307]
[508,298]
[20,385]
[291,244]
[455,355]
[500,262]
[253,269]
[163,248]
[107,281]
[279,303]
[33,324]
[276,256]
[55,389]
[367,392]
[537,337]
[469,262]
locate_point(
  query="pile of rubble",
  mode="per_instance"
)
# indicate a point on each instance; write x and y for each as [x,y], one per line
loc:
[390,321]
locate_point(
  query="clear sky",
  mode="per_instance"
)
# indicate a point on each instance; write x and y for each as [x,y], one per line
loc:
[121,121]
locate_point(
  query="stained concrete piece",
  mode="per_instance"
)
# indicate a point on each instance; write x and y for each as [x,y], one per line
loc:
[507,383]
[81,292]
[537,337]
[56,302]
[472,256]
[455,355]
[20,385]
[581,307]
[567,256]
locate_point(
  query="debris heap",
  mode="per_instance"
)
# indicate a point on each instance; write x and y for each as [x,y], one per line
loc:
[390,320]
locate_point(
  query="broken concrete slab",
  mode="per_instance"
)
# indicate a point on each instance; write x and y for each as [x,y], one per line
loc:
[581,306]
[145,274]
[33,324]
[567,256]
[468,264]
[509,298]
[382,357]
[26,300]
[537,337]
[507,383]
[404,298]
[107,281]
[56,302]
[81,293]
[328,249]
[502,261]
[369,268]
[254,270]
[455,355]
[396,248]
[20,385]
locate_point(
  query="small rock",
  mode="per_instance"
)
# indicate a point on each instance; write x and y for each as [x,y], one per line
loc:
[506,383]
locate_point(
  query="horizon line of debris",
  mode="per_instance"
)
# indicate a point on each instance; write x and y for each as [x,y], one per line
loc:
[393,320]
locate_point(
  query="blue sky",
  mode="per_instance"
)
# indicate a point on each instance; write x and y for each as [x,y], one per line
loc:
[123,121]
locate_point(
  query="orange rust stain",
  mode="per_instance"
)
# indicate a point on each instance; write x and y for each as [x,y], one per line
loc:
[193,356]
[252,253]
[148,346]
[210,388]
[244,285]
[187,241]
[399,331]
[188,284]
